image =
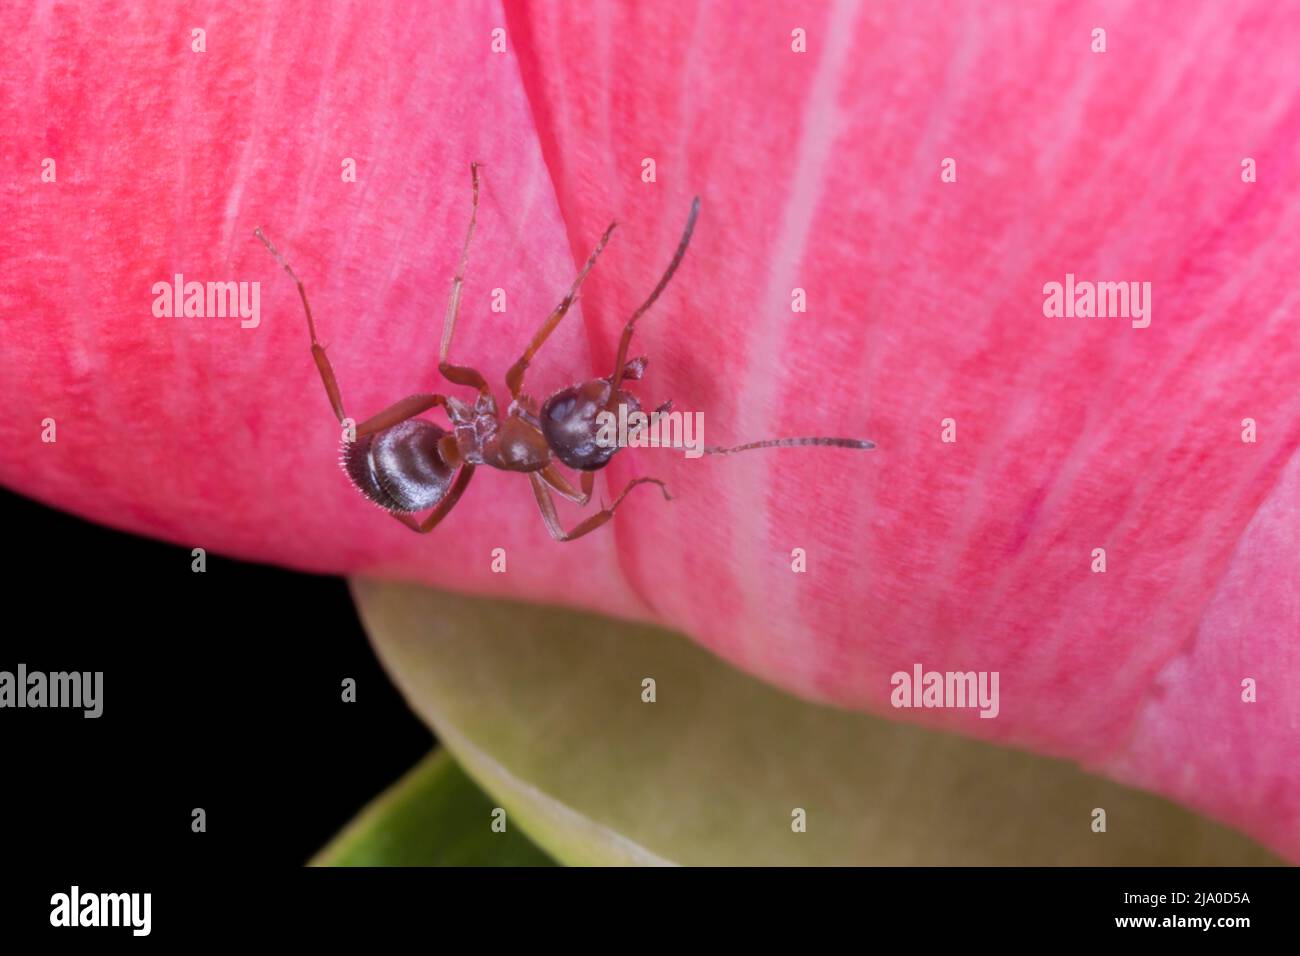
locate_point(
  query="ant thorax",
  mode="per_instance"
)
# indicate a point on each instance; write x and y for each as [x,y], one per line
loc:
[470,439]
[514,443]
[473,428]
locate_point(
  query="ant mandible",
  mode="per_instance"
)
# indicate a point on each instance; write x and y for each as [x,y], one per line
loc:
[406,464]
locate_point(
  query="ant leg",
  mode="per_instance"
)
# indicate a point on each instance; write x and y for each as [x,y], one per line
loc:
[400,411]
[515,377]
[552,520]
[443,507]
[317,350]
[460,374]
[555,478]
[626,340]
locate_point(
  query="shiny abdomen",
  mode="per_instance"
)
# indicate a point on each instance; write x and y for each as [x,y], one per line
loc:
[399,468]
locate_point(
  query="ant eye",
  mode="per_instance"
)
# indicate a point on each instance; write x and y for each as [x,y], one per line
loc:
[569,422]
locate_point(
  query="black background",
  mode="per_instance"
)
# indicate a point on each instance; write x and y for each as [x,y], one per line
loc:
[222,690]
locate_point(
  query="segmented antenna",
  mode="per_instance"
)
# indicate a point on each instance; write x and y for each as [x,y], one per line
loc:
[626,339]
[791,442]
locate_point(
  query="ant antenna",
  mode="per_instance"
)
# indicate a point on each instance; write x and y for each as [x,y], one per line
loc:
[791,442]
[626,340]
[302,293]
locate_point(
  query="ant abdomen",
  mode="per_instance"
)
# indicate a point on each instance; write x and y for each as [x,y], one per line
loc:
[399,468]
[569,422]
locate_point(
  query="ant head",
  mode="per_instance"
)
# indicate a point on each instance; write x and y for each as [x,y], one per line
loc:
[570,423]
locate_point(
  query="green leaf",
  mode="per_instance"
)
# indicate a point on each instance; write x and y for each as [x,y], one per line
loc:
[434,816]
[544,708]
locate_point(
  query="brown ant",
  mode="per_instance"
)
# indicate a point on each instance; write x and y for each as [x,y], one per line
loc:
[406,464]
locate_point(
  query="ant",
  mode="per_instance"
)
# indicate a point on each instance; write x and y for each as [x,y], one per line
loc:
[406,464]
